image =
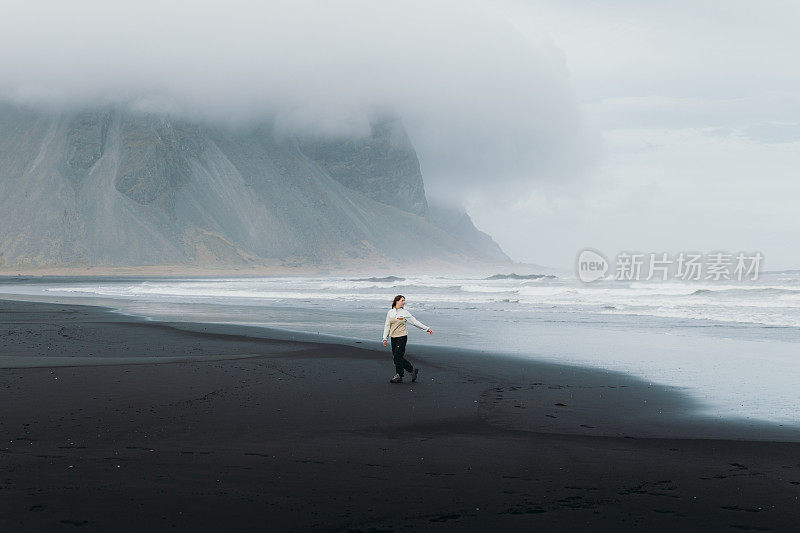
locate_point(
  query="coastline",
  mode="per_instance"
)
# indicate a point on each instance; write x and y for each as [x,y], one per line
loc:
[300,267]
[252,426]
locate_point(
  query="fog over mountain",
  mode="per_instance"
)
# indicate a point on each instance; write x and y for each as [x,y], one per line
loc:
[212,102]
[114,187]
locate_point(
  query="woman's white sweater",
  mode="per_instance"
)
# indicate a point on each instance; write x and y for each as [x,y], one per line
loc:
[396,323]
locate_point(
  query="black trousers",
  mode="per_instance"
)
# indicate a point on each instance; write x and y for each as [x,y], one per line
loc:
[399,352]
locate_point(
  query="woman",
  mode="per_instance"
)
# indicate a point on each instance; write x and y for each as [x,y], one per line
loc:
[396,324]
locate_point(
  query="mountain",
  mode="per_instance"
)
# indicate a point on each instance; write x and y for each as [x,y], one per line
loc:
[457,223]
[383,166]
[113,187]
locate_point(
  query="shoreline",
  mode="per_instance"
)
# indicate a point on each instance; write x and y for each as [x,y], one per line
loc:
[689,420]
[676,413]
[257,426]
[274,269]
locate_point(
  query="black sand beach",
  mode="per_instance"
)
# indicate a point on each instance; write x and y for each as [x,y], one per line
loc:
[112,423]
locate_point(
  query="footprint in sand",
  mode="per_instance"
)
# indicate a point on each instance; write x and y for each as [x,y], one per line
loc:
[76,523]
[445,518]
[737,508]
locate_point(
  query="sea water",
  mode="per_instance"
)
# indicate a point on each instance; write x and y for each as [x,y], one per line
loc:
[733,346]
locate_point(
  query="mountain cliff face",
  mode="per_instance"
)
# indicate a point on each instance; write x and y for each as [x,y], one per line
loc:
[116,188]
[458,224]
[382,166]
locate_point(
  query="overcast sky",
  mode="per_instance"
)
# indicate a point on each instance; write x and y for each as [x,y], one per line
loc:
[697,105]
[619,125]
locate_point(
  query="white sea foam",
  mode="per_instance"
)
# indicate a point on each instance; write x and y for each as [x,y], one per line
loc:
[766,303]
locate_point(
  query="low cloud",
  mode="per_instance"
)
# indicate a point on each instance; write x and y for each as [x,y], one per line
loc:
[488,110]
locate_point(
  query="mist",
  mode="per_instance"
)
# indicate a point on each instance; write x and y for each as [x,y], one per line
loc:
[487,109]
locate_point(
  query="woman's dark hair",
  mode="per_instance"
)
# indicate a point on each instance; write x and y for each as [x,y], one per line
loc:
[394,302]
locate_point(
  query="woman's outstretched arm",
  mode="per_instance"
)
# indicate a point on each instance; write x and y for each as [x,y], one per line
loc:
[420,325]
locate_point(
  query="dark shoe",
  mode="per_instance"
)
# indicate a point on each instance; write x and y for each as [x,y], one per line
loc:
[396,379]
[414,374]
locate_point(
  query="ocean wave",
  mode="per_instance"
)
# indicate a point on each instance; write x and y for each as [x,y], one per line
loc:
[768,302]
[748,291]
[725,315]
[520,276]
[484,288]
[384,279]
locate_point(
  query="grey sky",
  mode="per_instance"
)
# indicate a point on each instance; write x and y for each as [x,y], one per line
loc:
[481,104]
[698,108]
[656,126]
